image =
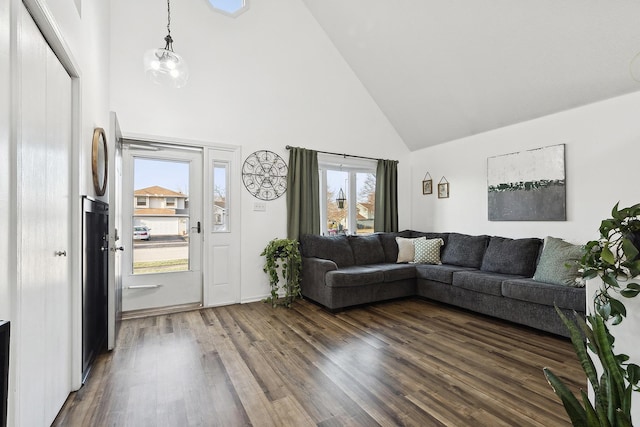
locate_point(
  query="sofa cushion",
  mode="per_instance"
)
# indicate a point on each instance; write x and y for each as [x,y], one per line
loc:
[427,251]
[485,282]
[335,248]
[393,272]
[511,256]
[366,249]
[464,250]
[439,273]
[406,249]
[389,244]
[355,275]
[559,263]
[529,290]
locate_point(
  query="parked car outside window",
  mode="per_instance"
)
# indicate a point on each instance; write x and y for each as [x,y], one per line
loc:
[141,233]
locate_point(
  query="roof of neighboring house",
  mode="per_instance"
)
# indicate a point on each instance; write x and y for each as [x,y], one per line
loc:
[158,191]
[366,205]
[220,203]
[154,211]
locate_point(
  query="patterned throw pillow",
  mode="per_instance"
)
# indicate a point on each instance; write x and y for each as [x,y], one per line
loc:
[559,263]
[428,251]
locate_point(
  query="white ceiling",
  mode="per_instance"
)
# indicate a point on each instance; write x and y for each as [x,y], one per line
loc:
[446,69]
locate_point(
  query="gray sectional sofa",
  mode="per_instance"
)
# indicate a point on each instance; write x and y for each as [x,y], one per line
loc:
[487,274]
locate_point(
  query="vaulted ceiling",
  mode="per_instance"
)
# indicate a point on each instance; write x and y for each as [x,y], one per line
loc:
[445,69]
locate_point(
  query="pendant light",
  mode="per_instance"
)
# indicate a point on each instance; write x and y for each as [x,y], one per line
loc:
[163,66]
[341,199]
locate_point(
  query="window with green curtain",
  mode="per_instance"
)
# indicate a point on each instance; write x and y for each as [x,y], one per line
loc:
[386,202]
[303,194]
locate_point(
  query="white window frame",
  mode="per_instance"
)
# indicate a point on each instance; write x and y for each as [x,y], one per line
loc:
[171,205]
[353,166]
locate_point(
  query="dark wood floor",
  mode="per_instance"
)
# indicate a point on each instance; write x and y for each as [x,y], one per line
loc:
[407,362]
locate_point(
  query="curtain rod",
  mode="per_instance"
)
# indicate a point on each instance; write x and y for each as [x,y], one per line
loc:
[341,154]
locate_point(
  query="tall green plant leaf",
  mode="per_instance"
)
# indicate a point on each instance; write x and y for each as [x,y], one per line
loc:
[576,412]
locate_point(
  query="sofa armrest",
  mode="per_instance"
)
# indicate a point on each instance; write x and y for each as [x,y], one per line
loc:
[314,270]
[313,283]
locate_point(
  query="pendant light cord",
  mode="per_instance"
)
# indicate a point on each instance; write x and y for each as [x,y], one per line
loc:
[168,17]
[168,39]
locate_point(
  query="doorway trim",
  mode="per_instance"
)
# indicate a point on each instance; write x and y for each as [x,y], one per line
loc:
[235,153]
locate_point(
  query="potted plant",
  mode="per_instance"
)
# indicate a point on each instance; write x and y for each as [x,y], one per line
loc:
[283,264]
[614,258]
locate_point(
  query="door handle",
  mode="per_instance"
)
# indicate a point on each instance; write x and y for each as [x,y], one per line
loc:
[118,248]
[197,228]
[61,253]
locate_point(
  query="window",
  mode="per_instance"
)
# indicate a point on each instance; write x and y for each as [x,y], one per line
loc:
[357,180]
[220,196]
[141,202]
[230,7]
[170,202]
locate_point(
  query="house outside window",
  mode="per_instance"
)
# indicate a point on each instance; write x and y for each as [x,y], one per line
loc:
[220,196]
[170,202]
[142,202]
[357,179]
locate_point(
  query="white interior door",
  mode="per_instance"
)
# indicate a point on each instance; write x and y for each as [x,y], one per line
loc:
[43,333]
[116,246]
[162,227]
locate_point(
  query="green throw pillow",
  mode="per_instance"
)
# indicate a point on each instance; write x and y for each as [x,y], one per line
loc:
[559,263]
[427,251]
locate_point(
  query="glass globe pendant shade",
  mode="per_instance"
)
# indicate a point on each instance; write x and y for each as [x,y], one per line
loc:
[165,67]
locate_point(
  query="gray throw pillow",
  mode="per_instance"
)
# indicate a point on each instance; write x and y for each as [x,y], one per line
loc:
[511,256]
[464,250]
[559,263]
[366,249]
[335,248]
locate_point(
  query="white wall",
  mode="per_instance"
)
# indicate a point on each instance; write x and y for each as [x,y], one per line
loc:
[260,81]
[87,36]
[5,156]
[602,142]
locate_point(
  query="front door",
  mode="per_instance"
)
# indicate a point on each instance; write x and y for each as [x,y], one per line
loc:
[162,208]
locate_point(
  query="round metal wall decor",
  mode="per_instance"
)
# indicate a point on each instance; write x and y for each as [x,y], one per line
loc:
[264,175]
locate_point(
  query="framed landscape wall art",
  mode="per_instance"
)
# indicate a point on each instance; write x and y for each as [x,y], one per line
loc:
[527,186]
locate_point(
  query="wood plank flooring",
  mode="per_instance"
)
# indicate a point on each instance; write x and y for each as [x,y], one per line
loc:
[407,362]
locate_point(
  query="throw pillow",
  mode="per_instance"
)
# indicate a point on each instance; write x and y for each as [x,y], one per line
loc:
[511,256]
[427,251]
[464,250]
[406,249]
[559,263]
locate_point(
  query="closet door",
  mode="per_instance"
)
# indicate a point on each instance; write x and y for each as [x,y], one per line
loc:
[44,294]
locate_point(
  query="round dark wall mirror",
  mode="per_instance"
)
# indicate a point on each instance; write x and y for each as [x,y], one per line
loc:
[99,161]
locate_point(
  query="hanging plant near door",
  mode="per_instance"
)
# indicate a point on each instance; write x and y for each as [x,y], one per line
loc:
[283,264]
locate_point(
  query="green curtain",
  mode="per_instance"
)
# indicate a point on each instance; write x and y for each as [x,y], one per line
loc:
[386,213]
[303,193]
